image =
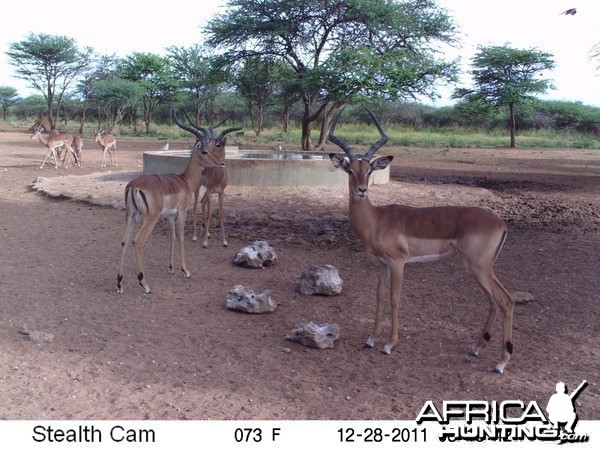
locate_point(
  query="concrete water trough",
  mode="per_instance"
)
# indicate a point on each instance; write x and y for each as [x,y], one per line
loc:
[262,168]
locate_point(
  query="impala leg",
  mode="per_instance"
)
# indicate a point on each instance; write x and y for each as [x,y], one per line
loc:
[483,276]
[181,228]
[194,215]
[507,305]
[124,244]
[485,336]
[50,152]
[206,215]
[75,157]
[222,219]
[397,276]
[103,157]
[69,151]
[171,220]
[500,301]
[147,226]
[383,289]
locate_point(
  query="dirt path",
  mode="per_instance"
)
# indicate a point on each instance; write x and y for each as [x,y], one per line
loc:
[179,353]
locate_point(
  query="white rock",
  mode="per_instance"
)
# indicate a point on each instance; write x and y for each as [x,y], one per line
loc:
[313,335]
[320,281]
[244,299]
[255,256]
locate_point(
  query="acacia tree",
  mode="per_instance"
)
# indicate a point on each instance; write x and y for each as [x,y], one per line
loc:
[152,72]
[105,68]
[255,82]
[8,96]
[340,49]
[115,97]
[197,72]
[507,77]
[50,64]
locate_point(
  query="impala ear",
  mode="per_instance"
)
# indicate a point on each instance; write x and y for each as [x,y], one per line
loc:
[381,162]
[340,162]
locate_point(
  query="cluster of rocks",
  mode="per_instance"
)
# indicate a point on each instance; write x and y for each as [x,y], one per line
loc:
[314,281]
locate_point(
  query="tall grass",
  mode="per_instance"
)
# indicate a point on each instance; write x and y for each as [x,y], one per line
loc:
[364,135]
[358,134]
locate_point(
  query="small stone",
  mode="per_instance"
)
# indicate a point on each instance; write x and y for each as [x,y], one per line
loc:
[320,281]
[523,297]
[313,335]
[255,256]
[244,299]
[40,336]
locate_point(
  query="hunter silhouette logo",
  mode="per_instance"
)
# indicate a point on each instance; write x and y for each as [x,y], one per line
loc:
[561,407]
[509,420]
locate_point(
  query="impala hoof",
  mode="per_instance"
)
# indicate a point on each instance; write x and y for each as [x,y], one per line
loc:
[387,349]
[186,274]
[496,370]
[499,367]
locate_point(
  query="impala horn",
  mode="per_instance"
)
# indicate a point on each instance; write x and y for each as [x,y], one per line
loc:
[337,141]
[199,132]
[377,145]
[230,130]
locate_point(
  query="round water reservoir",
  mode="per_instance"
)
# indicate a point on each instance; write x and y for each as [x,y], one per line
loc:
[260,168]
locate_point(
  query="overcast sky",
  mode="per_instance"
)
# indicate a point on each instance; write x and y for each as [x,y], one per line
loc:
[122,27]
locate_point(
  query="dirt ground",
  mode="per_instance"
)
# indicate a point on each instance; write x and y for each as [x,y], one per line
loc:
[178,353]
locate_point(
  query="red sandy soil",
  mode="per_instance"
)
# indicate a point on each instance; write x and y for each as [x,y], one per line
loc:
[178,353]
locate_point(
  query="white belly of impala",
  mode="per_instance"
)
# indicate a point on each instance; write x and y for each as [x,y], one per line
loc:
[168,212]
[429,258]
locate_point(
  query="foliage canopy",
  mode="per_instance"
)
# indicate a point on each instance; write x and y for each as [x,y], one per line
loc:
[50,64]
[505,77]
[341,49]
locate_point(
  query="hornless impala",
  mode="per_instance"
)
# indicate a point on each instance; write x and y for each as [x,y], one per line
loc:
[77,146]
[53,142]
[398,234]
[215,181]
[106,143]
[170,196]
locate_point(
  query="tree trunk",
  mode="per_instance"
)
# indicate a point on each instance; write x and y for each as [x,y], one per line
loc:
[285,119]
[325,126]
[133,119]
[82,123]
[50,101]
[306,120]
[513,124]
